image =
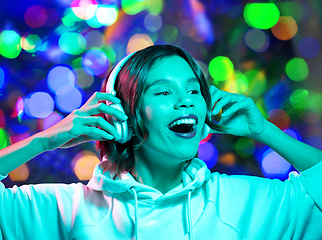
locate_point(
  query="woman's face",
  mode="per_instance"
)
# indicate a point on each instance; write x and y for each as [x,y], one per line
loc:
[177,94]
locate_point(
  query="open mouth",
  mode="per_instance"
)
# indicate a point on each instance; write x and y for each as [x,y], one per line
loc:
[182,128]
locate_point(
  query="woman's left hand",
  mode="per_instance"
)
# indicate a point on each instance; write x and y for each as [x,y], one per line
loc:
[239,115]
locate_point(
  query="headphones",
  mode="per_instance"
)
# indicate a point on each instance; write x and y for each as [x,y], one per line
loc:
[122,127]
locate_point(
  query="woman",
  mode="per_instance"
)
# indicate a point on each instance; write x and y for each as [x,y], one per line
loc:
[150,184]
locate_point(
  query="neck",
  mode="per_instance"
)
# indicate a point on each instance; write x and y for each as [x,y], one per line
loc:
[157,175]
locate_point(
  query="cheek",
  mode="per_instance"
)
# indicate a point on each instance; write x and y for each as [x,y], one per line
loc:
[148,112]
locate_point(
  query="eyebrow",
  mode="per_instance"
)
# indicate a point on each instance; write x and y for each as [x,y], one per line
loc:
[165,81]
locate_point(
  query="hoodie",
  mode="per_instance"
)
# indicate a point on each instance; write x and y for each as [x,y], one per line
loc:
[204,206]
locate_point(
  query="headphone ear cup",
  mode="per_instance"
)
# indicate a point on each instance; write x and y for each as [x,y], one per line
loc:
[121,127]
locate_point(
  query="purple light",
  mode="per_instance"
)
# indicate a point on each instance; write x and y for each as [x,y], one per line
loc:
[208,153]
[95,62]
[309,47]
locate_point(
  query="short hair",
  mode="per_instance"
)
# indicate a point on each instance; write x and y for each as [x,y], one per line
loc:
[129,85]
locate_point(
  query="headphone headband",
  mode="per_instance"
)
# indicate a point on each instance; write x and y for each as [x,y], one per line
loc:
[112,78]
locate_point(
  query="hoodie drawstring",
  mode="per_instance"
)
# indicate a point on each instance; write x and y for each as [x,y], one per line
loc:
[189,217]
[136,214]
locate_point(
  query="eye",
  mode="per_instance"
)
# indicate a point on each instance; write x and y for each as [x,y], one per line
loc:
[163,93]
[195,91]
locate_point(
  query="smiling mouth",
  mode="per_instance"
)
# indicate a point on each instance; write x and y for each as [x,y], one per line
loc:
[182,128]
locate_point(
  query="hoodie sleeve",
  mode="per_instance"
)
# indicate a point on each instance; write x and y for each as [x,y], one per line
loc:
[42,211]
[260,208]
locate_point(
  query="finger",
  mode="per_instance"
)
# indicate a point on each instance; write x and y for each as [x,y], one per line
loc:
[229,98]
[100,96]
[215,97]
[103,124]
[234,108]
[245,104]
[93,133]
[102,108]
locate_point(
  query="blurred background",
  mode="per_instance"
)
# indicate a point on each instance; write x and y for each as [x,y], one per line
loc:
[55,53]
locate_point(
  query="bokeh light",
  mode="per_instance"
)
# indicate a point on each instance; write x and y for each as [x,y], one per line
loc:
[152,22]
[273,164]
[10,44]
[204,68]
[133,7]
[51,120]
[41,105]
[297,69]
[257,40]
[237,83]
[106,15]
[59,76]
[83,164]
[4,138]
[31,43]
[208,153]
[228,159]
[72,43]
[309,47]
[245,147]
[2,77]
[84,9]
[95,62]
[280,118]
[256,83]
[35,16]
[68,99]
[261,15]
[169,33]
[83,79]
[200,30]
[94,39]
[285,29]
[70,19]
[20,174]
[2,119]
[155,6]
[138,42]
[221,68]
[18,111]
[299,98]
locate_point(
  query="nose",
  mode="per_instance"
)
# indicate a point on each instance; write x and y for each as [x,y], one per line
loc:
[184,100]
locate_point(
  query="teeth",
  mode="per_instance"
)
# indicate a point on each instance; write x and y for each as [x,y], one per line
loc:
[183,121]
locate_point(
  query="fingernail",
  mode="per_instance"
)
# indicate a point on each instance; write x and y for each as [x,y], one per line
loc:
[125,117]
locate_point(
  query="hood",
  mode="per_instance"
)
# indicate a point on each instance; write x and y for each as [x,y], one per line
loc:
[192,177]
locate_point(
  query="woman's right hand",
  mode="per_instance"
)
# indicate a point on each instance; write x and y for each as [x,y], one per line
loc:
[81,126]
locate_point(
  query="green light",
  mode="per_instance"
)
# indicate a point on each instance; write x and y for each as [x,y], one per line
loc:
[72,43]
[221,68]
[299,98]
[297,69]
[315,101]
[132,7]
[257,83]
[155,6]
[4,138]
[10,44]
[110,53]
[245,147]
[261,15]
[70,18]
[35,41]
[169,33]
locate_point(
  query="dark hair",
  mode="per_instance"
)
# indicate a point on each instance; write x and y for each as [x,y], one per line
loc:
[129,86]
